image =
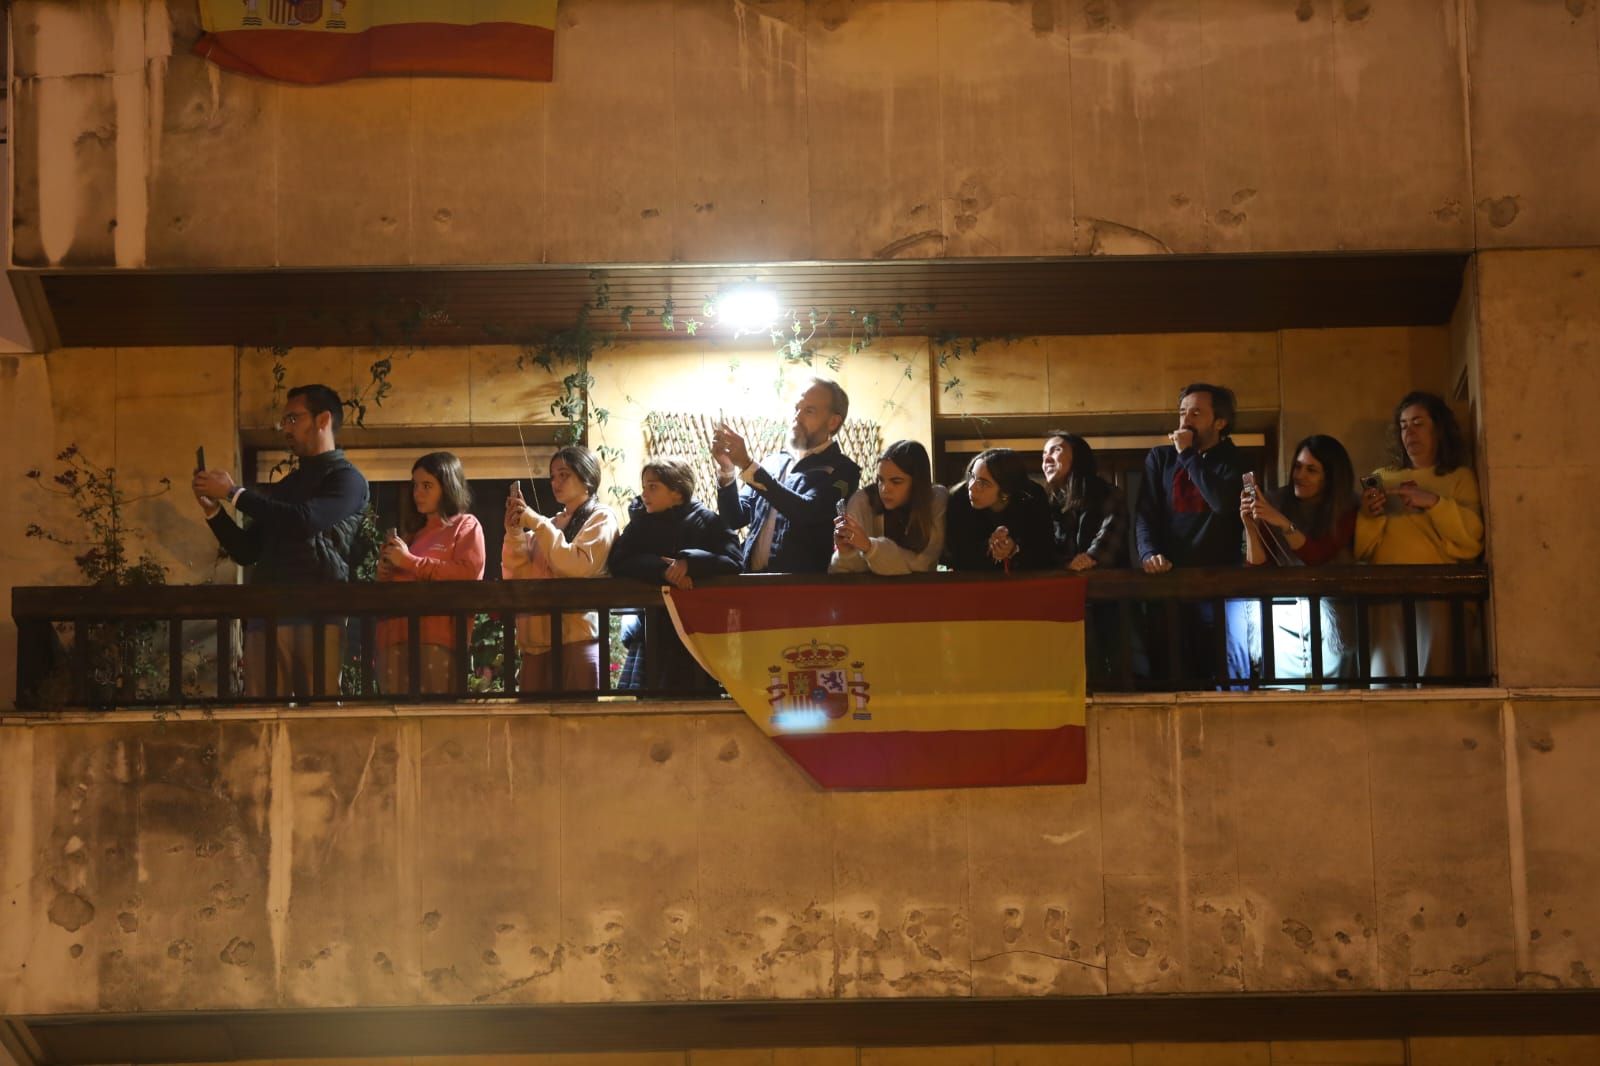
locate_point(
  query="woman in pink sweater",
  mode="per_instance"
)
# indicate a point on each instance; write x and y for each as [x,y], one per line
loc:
[442,542]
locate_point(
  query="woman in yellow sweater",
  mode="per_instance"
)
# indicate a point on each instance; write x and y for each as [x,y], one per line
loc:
[1424,509]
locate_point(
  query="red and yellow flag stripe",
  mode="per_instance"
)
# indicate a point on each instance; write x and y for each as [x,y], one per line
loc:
[937,685]
[319,41]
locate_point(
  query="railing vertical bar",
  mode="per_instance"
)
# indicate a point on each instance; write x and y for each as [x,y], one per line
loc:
[603,635]
[1124,645]
[1269,649]
[510,655]
[655,625]
[369,656]
[461,657]
[319,658]
[175,660]
[1458,639]
[1176,672]
[80,658]
[269,635]
[1408,610]
[1315,617]
[1219,643]
[1363,608]
[557,678]
[414,656]
[224,659]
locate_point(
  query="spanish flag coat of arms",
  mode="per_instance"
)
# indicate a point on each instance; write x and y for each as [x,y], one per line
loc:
[949,683]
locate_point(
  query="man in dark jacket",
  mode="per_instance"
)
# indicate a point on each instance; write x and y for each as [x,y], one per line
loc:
[1188,515]
[792,495]
[301,531]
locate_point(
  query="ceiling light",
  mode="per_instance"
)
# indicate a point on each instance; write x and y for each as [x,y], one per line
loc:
[748,309]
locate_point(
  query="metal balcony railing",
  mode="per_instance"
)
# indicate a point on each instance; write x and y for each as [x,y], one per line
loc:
[182,645]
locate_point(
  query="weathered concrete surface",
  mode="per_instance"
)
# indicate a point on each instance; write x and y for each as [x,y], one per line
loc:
[1539,354]
[1418,1051]
[1286,844]
[715,130]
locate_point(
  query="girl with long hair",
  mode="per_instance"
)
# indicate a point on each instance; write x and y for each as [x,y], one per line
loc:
[896,525]
[1089,513]
[438,541]
[998,519]
[1308,522]
[575,543]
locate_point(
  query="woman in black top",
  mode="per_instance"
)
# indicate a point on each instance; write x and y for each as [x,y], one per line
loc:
[998,519]
[1089,514]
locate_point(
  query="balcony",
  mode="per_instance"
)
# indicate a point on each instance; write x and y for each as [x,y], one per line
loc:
[87,647]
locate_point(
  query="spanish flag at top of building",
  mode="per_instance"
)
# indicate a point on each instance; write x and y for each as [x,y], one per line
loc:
[948,684]
[318,41]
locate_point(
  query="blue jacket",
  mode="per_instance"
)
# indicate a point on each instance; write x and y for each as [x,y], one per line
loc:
[303,528]
[805,493]
[1197,524]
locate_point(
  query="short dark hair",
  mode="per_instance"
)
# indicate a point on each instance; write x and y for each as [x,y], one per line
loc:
[1450,448]
[320,400]
[675,474]
[838,399]
[1223,403]
[455,496]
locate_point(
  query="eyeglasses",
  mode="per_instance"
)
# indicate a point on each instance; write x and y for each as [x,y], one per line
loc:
[291,419]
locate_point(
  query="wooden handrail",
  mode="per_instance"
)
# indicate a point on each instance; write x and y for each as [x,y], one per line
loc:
[50,602]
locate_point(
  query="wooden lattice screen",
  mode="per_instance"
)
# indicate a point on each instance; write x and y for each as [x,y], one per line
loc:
[687,436]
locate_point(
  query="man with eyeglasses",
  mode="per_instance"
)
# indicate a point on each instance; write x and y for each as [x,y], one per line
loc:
[300,530]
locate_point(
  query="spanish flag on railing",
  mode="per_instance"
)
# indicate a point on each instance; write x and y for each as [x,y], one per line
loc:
[318,41]
[939,685]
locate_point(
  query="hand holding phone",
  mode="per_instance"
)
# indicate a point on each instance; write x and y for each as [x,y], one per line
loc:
[1373,498]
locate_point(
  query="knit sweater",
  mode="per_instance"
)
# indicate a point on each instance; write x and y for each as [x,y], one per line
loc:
[1451,531]
[1189,506]
[544,552]
[883,556]
[451,550]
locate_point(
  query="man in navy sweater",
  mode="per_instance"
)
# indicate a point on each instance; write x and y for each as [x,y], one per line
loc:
[789,498]
[301,530]
[1188,515]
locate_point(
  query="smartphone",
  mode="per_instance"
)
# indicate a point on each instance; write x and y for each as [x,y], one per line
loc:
[1372,481]
[1250,483]
[390,533]
[516,488]
[200,458]
[838,508]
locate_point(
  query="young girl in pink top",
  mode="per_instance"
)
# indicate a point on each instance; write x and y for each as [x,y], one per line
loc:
[442,543]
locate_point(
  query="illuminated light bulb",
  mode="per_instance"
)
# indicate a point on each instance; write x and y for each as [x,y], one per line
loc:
[748,309]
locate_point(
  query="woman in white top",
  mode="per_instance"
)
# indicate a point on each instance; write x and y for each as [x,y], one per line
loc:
[575,543]
[895,526]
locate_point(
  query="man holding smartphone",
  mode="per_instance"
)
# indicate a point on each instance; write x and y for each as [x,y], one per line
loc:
[789,498]
[300,530]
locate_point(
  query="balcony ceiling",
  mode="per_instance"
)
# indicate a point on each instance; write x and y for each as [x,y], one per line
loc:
[1002,297]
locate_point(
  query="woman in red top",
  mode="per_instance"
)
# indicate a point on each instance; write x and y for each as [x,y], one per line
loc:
[442,542]
[1308,522]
